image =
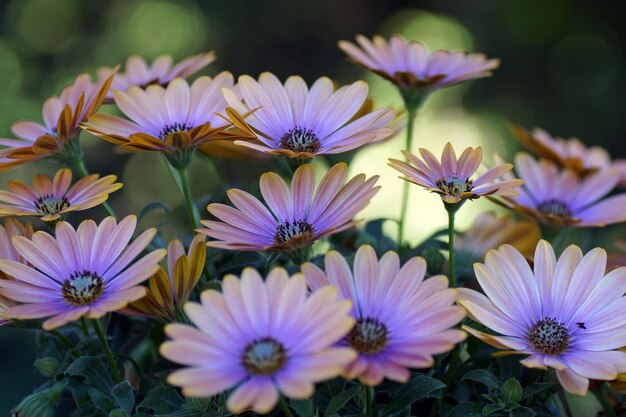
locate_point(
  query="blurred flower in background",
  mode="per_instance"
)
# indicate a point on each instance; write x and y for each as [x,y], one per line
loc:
[138,73]
[488,231]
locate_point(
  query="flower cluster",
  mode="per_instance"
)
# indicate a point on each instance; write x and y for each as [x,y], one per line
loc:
[278,296]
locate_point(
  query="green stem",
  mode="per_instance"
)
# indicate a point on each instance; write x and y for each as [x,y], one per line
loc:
[185,190]
[411,113]
[65,342]
[601,395]
[115,370]
[81,168]
[368,410]
[83,326]
[452,209]
[565,403]
[285,407]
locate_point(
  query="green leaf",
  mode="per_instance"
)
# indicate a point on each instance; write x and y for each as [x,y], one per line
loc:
[417,388]
[536,388]
[512,390]
[339,401]
[161,399]
[47,366]
[101,400]
[197,403]
[42,403]
[468,409]
[124,396]
[91,370]
[303,408]
[522,412]
[483,377]
[79,392]
[118,413]
[489,409]
[156,205]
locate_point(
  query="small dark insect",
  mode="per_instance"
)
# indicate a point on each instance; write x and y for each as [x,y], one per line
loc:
[581,325]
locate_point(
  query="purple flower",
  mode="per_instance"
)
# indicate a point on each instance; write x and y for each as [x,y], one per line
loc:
[562,198]
[566,314]
[296,218]
[61,118]
[161,71]
[295,121]
[409,65]
[85,272]
[402,320]
[174,120]
[264,338]
[455,179]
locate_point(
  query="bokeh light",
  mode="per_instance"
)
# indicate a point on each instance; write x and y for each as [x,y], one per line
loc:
[584,64]
[47,26]
[150,28]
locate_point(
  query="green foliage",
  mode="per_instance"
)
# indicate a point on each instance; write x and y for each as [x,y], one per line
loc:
[418,388]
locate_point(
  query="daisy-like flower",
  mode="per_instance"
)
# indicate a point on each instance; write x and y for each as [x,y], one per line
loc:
[174,120]
[561,198]
[568,153]
[171,290]
[61,115]
[12,228]
[566,313]
[410,66]
[452,178]
[297,122]
[402,320]
[264,338]
[52,199]
[78,273]
[296,218]
[7,251]
[488,231]
[161,71]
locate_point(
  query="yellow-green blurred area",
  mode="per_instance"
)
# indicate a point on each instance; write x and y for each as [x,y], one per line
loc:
[562,69]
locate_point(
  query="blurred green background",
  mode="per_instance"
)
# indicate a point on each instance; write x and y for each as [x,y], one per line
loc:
[562,69]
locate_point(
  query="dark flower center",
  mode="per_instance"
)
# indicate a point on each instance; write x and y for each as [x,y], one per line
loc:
[264,357]
[51,205]
[288,231]
[300,140]
[549,337]
[368,336]
[173,128]
[82,288]
[555,208]
[454,185]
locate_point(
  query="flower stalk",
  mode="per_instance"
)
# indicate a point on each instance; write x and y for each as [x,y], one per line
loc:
[451,209]
[285,407]
[185,189]
[411,113]
[115,370]
[368,401]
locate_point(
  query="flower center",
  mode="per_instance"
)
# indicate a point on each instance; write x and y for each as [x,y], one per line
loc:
[555,208]
[454,185]
[173,128]
[289,231]
[264,357]
[368,336]
[51,205]
[300,140]
[549,337]
[82,288]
